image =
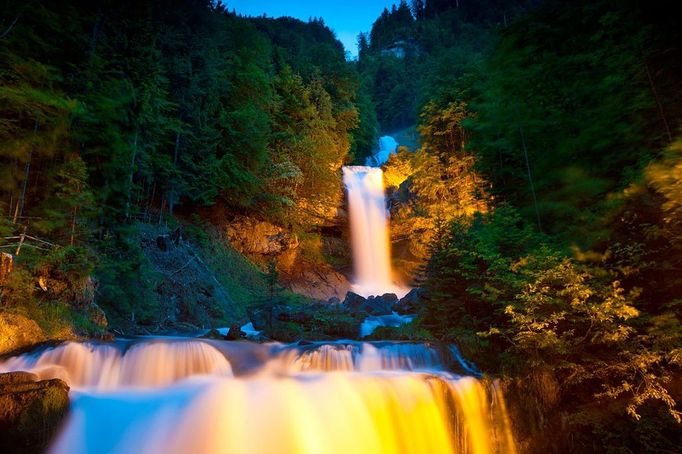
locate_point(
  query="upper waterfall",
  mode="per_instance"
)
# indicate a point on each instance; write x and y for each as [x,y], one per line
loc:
[369,231]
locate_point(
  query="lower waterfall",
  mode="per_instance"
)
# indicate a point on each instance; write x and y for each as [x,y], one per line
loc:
[199,396]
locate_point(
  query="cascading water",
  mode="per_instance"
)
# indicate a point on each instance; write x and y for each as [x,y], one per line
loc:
[180,396]
[369,231]
[166,396]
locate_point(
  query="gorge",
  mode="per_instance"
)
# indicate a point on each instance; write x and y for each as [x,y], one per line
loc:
[179,395]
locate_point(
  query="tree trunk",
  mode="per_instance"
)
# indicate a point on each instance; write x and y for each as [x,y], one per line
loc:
[163,207]
[27,170]
[530,178]
[9,29]
[130,175]
[22,199]
[661,112]
[74,214]
[171,193]
[148,216]
[22,238]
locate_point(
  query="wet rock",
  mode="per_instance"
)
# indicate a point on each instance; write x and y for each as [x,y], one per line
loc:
[30,411]
[374,305]
[213,334]
[354,302]
[235,332]
[381,305]
[260,318]
[410,302]
[11,378]
[17,331]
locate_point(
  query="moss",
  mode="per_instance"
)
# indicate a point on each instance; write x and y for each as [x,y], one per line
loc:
[408,332]
[31,413]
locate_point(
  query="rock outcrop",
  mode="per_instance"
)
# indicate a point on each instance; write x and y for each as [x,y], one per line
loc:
[300,263]
[252,236]
[308,321]
[320,284]
[30,411]
[409,303]
[18,331]
[374,305]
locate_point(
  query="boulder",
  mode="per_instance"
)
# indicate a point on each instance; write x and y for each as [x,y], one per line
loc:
[320,283]
[260,318]
[235,332]
[263,317]
[31,411]
[374,305]
[409,303]
[213,334]
[18,331]
[381,305]
[333,301]
[354,302]
[12,378]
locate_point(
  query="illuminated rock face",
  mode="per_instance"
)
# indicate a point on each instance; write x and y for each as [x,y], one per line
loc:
[369,232]
[175,396]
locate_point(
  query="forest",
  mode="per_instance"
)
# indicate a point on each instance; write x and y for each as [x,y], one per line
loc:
[539,210]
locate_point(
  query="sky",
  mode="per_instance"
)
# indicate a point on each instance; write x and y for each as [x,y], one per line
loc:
[346,17]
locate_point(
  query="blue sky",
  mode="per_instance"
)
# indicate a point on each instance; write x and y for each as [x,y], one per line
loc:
[346,17]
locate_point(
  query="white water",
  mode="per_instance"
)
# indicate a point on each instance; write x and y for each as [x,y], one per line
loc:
[369,232]
[387,147]
[373,322]
[340,397]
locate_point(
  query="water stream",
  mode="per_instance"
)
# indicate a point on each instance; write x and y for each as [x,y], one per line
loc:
[203,396]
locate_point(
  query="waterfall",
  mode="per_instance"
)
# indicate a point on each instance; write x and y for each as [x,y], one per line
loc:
[179,396]
[369,231]
[147,364]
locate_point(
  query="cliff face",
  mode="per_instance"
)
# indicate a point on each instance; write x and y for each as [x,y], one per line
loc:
[18,331]
[311,264]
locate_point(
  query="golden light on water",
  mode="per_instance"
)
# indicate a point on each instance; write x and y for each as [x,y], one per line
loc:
[178,397]
[339,413]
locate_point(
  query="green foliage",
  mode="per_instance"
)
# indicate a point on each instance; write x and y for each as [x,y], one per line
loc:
[410,332]
[571,325]
[126,282]
[243,280]
[559,123]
